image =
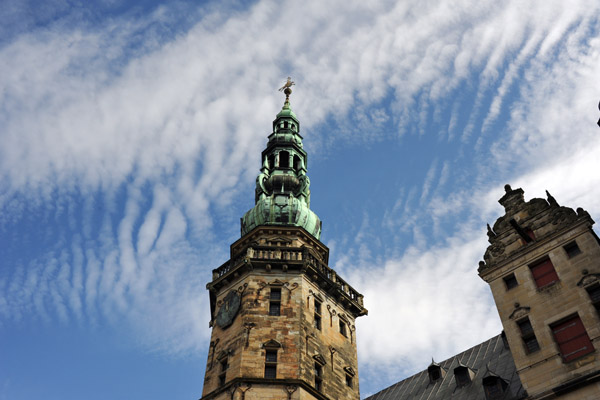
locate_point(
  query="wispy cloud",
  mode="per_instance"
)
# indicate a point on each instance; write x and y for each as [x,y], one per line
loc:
[131,143]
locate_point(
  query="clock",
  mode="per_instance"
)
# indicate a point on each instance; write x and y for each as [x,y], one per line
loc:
[228,310]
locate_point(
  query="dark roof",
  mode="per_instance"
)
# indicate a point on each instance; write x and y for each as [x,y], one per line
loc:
[488,358]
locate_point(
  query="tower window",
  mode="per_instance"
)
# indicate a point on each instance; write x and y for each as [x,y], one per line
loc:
[349,380]
[572,249]
[296,163]
[572,339]
[275,302]
[343,328]
[510,281]
[318,377]
[543,272]
[284,159]
[594,293]
[223,373]
[272,161]
[271,364]
[317,320]
[494,387]
[528,336]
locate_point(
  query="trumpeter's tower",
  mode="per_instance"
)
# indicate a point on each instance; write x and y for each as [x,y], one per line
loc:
[282,320]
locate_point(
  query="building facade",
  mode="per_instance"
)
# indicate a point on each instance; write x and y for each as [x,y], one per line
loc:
[543,268]
[282,320]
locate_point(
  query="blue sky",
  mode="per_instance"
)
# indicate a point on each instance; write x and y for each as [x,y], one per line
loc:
[131,138]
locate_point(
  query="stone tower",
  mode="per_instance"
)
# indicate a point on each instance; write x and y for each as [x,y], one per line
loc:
[543,267]
[282,320]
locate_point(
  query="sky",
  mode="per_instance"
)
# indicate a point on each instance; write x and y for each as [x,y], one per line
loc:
[130,140]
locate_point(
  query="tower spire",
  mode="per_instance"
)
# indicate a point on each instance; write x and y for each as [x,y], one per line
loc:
[282,195]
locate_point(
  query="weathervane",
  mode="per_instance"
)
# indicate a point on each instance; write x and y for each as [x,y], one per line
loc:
[287,88]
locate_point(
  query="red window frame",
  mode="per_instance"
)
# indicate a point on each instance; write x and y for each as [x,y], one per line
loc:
[572,338]
[544,273]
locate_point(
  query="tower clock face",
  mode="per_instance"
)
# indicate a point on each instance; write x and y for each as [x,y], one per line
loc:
[229,309]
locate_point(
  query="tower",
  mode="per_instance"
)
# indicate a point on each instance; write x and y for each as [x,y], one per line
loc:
[543,267]
[282,320]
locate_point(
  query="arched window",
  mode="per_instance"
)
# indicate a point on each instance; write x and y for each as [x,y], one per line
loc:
[296,163]
[284,159]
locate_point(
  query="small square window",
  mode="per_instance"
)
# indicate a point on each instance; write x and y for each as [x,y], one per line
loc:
[510,281]
[343,328]
[572,249]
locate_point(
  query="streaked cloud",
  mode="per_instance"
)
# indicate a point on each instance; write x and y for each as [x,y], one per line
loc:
[130,147]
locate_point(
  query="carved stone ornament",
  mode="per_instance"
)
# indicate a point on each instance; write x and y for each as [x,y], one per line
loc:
[588,280]
[320,359]
[497,249]
[228,310]
[519,312]
[563,216]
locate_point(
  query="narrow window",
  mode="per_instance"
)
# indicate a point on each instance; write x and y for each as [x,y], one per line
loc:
[272,161]
[318,377]
[510,281]
[494,387]
[317,320]
[543,272]
[572,249]
[343,328]
[275,302]
[285,125]
[296,163]
[284,159]
[572,339]
[349,380]
[223,373]
[594,293]
[271,364]
[528,336]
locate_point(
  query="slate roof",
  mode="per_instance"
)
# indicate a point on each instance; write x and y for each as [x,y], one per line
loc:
[491,357]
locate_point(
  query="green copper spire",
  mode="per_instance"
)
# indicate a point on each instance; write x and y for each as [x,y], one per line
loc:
[282,187]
